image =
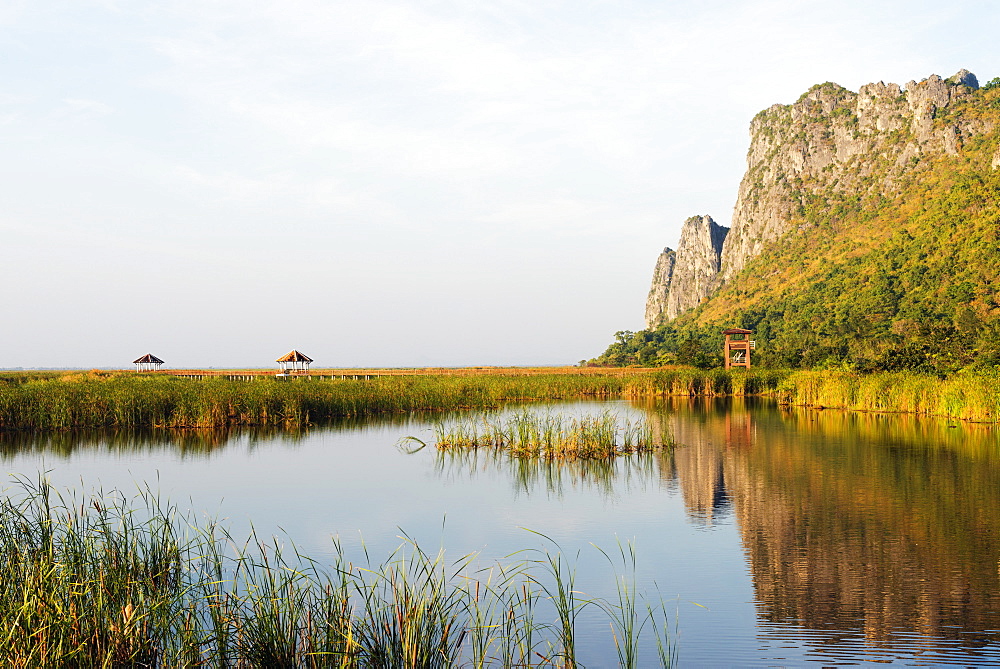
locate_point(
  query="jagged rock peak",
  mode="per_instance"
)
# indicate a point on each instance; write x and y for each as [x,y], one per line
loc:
[693,271]
[656,301]
[964,77]
[699,255]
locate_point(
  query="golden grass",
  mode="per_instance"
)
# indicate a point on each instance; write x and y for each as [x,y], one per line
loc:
[550,436]
[967,395]
[97,400]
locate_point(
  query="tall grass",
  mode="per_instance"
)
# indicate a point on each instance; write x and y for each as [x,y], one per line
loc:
[107,581]
[969,395]
[527,434]
[146,401]
[627,618]
[126,400]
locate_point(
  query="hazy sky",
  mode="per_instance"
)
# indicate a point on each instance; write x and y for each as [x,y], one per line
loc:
[392,183]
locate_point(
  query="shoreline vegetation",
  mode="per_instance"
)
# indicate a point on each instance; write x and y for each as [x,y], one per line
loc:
[99,580]
[91,400]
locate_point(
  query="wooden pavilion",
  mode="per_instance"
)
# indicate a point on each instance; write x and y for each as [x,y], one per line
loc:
[294,362]
[738,347]
[147,363]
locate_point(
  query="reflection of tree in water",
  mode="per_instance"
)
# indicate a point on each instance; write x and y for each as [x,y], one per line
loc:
[609,477]
[904,533]
[880,527]
[697,464]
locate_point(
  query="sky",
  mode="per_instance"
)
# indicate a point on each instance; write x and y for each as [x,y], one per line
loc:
[392,183]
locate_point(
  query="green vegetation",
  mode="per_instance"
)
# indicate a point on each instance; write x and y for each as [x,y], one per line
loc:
[552,436]
[128,402]
[967,395]
[108,582]
[135,401]
[887,267]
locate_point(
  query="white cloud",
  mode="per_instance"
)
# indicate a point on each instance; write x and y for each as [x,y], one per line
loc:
[84,108]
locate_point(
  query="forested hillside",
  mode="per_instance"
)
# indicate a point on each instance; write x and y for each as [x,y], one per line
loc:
[886,257]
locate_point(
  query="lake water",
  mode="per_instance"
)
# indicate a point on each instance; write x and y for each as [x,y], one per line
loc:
[781,537]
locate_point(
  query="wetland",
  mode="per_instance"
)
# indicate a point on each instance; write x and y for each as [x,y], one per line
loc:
[772,535]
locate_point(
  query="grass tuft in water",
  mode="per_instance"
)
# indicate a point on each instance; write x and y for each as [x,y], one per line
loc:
[527,434]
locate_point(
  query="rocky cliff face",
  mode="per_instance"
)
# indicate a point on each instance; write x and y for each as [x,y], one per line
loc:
[693,269]
[835,142]
[656,301]
[831,145]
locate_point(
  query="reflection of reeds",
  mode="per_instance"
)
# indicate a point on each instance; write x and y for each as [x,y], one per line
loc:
[605,475]
[528,434]
[103,581]
[187,442]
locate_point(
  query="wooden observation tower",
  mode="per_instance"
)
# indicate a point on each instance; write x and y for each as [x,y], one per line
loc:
[738,347]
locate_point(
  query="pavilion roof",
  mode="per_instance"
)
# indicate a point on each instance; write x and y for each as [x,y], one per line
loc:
[737,331]
[149,357]
[294,356]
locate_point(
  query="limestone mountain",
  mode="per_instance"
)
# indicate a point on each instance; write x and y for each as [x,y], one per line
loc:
[835,142]
[865,232]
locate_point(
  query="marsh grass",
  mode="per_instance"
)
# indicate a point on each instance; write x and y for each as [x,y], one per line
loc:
[108,581]
[118,400]
[549,436]
[629,614]
[968,395]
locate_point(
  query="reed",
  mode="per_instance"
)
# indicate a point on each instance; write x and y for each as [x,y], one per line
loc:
[104,400]
[968,395]
[91,400]
[548,436]
[109,581]
[561,591]
[627,620]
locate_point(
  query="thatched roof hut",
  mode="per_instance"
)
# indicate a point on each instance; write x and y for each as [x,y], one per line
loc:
[294,361]
[147,363]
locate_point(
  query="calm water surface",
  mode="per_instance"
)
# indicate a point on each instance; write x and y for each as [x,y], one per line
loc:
[781,537]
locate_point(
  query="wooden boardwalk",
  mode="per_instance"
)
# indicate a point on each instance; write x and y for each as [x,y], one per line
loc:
[371,373]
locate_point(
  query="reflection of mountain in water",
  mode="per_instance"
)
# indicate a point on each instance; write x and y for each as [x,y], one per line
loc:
[879,526]
[705,428]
